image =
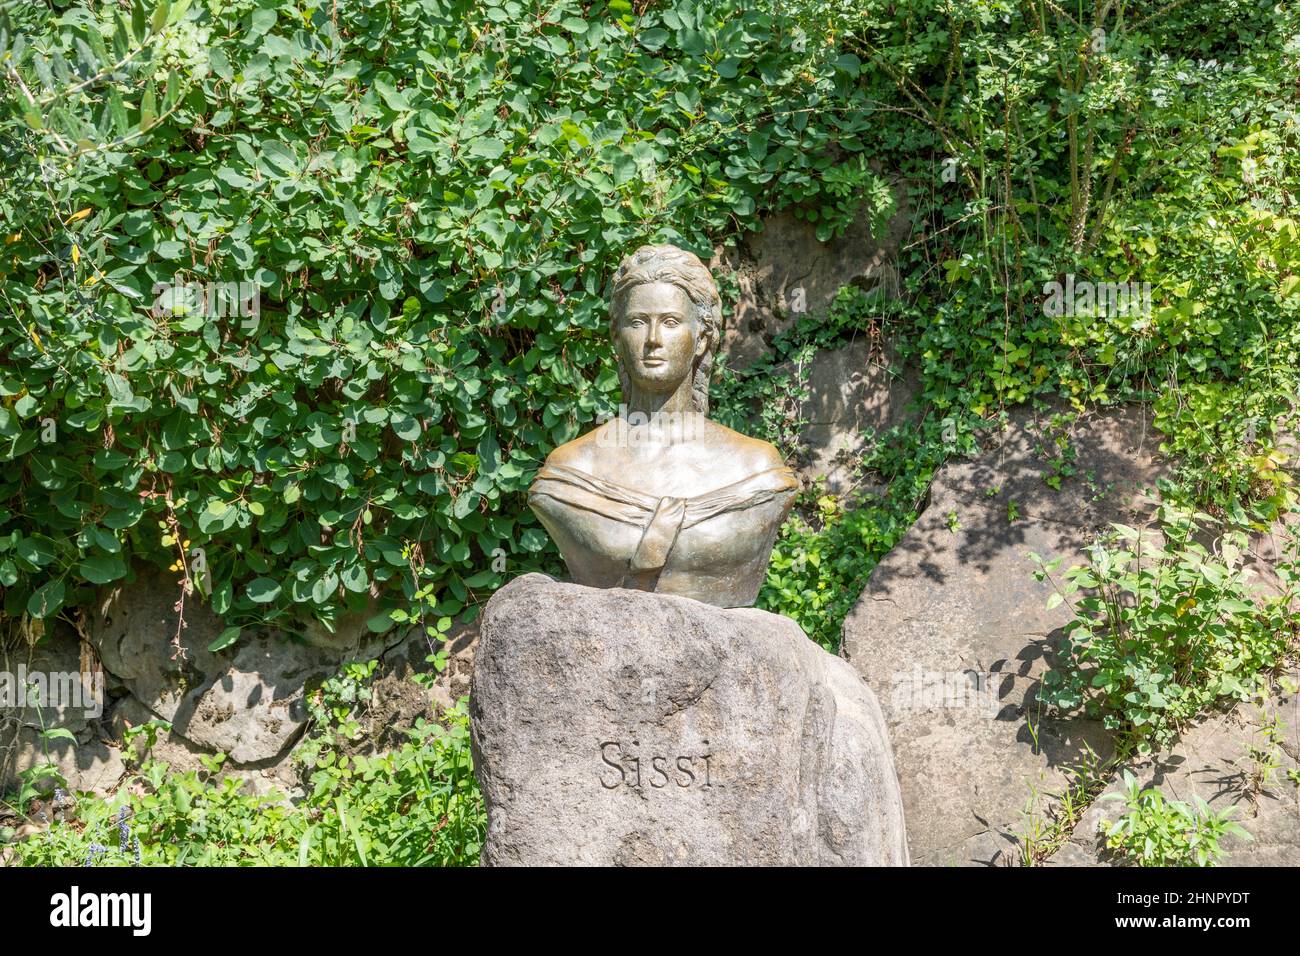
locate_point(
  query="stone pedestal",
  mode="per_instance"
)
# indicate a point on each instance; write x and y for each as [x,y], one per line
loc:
[625,727]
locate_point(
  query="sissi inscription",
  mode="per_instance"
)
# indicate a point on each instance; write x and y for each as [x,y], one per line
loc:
[661,771]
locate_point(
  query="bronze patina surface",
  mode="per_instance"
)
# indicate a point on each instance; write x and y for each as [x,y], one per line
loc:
[661,498]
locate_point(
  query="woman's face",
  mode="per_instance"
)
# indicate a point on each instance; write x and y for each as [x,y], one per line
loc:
[658,337]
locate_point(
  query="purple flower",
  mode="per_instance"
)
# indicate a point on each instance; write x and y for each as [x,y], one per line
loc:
[94,851]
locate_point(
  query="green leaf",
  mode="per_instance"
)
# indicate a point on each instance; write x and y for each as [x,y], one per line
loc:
[486,147]
[262,590]
[46,600]
[102,568]
[225,639]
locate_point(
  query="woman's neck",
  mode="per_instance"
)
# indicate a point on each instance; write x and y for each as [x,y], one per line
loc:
[650,404]
[657,420]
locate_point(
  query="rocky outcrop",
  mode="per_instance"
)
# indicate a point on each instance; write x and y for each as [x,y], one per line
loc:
[626,727]
[953,633]
[783,270]
[852,392]
[81,751]
[856,393]
[407,687]
[246,702]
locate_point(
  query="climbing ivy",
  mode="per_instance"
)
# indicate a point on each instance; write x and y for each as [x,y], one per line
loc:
[299,295]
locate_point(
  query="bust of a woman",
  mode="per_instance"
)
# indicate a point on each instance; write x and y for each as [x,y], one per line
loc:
[661,498]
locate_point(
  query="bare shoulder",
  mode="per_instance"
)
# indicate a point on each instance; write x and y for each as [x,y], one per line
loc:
[581,452]
[752,455]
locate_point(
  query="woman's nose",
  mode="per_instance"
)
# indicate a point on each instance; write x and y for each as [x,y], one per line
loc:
[652,337]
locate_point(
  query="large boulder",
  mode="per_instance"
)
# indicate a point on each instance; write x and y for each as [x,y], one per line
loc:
[626,727]
[954,634]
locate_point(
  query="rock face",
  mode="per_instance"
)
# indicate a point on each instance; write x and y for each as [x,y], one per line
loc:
[398,700]
[855,393]
[852,392]
[783,270]
[246,701]
[625,727]
[953,633]
[86,762]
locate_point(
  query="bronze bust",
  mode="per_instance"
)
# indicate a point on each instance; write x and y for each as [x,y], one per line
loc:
[661,498]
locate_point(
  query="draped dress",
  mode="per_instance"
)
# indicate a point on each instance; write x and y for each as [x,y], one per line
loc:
[712,547]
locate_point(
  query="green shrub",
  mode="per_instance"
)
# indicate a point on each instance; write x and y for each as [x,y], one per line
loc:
[426,197]
[416,806]
[1224,435]
[1164,628]
[1155,831]
[820,565]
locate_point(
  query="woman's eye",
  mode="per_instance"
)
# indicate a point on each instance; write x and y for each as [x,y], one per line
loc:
[671,323]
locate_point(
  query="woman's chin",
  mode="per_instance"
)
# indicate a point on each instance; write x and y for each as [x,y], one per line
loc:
[657,382]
